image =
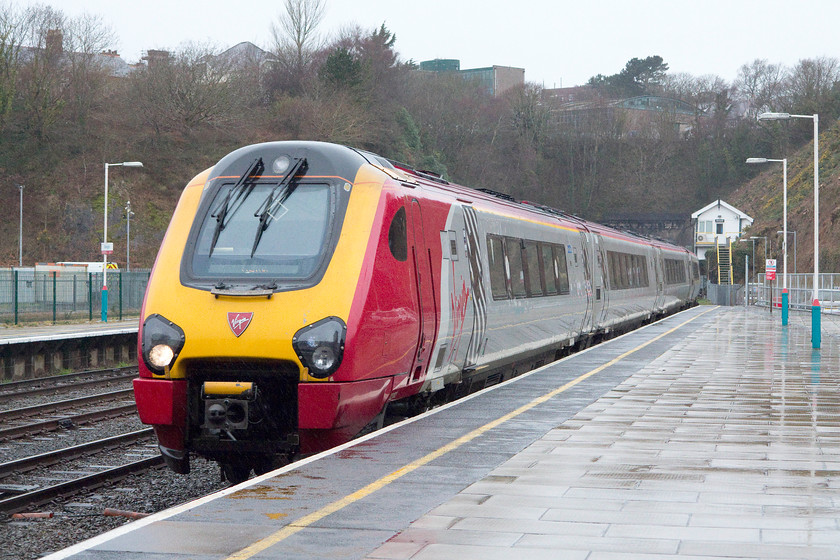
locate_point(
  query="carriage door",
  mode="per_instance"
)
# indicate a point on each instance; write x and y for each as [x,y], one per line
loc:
[660,282]
[588,316]
[426,308]
[601,292]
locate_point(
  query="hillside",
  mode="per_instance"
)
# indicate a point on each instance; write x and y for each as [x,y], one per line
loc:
[762,199]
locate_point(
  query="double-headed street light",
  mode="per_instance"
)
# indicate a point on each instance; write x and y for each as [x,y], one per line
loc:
[108,248]
[815,307]
[784,221]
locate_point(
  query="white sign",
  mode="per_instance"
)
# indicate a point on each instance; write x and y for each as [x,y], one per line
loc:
[107,248]
[771,263]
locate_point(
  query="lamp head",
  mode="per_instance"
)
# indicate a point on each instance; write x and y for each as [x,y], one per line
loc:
[774,116]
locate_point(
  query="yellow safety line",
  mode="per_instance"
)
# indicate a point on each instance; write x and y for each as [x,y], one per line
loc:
[338,505]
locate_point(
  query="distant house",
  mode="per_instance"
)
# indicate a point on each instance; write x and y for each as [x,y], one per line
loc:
[494,79]
[244,55]
[715,224]
[53,48]
[584,109]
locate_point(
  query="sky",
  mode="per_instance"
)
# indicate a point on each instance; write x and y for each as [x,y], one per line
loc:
[559,43]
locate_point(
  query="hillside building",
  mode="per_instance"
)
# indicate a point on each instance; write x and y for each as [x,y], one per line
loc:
[718,223]
[494,79]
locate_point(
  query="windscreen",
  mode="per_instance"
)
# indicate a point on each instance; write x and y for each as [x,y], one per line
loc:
[260,232]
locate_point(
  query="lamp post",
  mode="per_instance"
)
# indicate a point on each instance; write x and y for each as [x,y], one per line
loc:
[752,239]
[815,307]
[128,215]
[106,247]
[765,250]
[794,247]
[784,231]
[20,233]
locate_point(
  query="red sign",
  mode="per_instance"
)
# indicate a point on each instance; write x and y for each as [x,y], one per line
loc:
[238,322]
[771,274]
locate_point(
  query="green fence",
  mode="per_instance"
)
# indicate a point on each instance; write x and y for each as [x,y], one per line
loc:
[27,296]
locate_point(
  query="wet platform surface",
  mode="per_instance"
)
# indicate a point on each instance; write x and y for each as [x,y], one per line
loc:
[712,434]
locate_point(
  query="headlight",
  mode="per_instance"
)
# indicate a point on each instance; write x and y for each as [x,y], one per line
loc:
[162,341]
[320,346]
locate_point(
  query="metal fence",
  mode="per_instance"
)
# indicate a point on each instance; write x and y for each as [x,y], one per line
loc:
[26,295]
[800,291]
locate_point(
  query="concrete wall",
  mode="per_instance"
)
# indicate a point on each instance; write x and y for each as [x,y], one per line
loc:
[27,360]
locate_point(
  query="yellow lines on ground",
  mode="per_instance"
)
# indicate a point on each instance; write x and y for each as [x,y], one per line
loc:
[314,517]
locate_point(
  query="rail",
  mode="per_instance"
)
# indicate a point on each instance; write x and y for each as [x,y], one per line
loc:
[800,292]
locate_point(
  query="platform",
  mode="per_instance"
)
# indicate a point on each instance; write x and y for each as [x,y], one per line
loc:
[28,351]
[712,434]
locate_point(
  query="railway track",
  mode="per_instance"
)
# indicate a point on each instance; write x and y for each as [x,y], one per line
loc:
[29,481]
[56,384]
[51,416]
[71,472]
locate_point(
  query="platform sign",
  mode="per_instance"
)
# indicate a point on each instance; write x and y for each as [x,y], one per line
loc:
[107,248]
[770,269]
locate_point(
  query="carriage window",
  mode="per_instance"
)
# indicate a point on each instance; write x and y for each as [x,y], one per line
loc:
[498,277]
[535,288]
[561,269]
[548,270]
[397,240]
[513,251]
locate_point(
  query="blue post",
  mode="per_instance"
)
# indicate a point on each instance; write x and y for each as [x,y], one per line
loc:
[104,304]
[784,307]
[815,324]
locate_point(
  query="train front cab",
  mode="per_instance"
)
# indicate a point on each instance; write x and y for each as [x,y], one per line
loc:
[241,384]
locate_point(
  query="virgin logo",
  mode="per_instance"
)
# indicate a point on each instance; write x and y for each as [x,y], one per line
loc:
[239,322]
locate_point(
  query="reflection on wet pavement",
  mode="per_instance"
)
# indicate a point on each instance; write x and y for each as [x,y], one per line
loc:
[727,445]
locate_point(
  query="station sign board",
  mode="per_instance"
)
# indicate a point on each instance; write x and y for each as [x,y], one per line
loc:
[770,269]
[107,248]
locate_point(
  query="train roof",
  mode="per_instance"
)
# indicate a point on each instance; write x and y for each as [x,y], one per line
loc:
[430,179]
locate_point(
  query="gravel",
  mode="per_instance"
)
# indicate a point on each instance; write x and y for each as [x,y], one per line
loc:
[81,517]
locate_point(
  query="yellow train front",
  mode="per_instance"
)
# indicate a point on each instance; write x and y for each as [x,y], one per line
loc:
[253,344]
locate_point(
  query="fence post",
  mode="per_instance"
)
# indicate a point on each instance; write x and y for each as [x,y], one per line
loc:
[90,296]
[121,292]
[16,296]
[55,276]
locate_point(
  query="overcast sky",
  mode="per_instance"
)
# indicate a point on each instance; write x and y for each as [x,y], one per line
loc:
[557,42]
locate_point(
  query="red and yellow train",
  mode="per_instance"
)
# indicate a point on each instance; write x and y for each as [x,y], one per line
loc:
[302,288]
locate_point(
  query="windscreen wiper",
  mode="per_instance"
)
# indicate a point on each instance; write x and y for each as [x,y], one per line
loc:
[268,209]
[234,199]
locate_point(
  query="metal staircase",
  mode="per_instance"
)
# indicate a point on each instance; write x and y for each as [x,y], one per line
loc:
[724,258]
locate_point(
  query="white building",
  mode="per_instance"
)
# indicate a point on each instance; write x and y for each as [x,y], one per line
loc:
[715,224]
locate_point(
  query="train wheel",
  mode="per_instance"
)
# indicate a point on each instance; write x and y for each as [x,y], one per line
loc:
[235,471]
[268,463]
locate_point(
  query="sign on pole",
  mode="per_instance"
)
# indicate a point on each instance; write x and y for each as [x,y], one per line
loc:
[107,248]
[770,269]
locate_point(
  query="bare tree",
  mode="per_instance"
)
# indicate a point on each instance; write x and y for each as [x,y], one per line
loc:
[182,92]
[296,40]
[12,29]
[810,85]
[85,39]
[760,85]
